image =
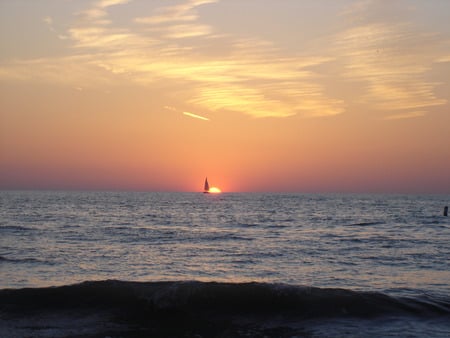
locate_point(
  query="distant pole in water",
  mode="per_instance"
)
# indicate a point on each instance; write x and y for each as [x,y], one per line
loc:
[446,211]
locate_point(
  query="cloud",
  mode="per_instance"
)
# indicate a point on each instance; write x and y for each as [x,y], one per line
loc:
[378,50]
[389,57]
[443,59]
[406,115]
[183,12]
[98,11]
[48,20]
[178,21]
[100,38]
[109,3]
[73,71]
[170,108]
[251,77]
[187,31]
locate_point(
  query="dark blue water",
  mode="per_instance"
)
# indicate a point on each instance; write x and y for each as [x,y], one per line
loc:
[371,265]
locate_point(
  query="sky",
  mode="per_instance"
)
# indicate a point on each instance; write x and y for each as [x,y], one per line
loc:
[257,95]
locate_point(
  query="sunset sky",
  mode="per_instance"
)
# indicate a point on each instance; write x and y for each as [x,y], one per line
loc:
[258,95]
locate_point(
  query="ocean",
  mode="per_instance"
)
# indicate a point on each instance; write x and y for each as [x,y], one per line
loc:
[134,264]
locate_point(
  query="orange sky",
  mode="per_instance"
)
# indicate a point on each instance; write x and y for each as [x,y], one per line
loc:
[298,96]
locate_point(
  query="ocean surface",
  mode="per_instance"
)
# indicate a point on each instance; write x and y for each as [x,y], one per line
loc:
[129,264]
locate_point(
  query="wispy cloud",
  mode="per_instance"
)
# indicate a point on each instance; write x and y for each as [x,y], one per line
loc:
[48,20]
[390,58]
[184,12]
[170,108]
[73,71]
[187,31]
[406,115]
[442,59]
[99,8]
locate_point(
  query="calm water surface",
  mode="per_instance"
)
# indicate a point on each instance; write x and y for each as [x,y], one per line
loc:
[353,241]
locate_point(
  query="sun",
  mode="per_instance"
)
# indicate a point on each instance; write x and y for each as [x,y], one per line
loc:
[214,190]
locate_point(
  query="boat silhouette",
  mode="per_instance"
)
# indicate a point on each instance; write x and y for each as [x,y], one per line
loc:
[206,186]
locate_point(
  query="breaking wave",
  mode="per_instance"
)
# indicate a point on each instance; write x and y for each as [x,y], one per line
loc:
[199,309]
[192,297]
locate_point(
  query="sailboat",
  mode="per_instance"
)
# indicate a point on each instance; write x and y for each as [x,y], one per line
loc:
[206,187]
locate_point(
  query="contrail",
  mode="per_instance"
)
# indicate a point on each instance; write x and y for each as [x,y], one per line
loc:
[195,116]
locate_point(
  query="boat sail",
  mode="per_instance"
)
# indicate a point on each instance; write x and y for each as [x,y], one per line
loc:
[206,187]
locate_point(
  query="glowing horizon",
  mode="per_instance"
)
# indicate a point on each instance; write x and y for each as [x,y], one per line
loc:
[301,96]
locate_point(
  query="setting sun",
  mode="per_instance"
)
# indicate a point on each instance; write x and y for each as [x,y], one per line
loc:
[214,190]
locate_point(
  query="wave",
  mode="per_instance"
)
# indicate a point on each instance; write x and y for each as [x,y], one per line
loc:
[210,307]
[194,296]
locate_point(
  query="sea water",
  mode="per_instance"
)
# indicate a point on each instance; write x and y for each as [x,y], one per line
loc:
[231,264]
